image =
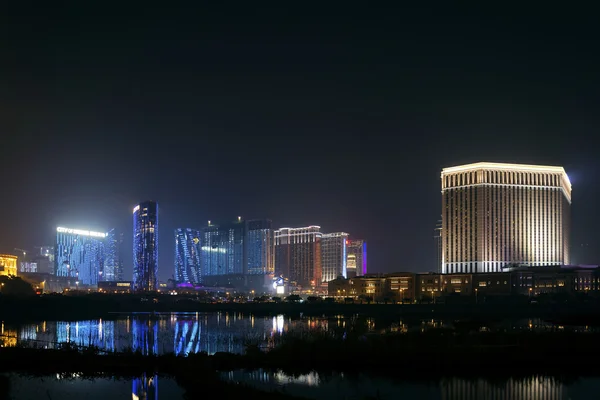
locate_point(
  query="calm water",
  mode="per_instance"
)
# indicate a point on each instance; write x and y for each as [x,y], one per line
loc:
[310,386]
[184,333]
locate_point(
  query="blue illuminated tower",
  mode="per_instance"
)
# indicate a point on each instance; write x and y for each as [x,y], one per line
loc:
[145,246]
[187,256]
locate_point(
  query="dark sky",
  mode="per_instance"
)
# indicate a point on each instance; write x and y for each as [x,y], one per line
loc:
[336,115]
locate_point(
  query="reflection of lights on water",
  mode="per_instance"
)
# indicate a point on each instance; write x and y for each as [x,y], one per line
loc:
[530,388]
[66,375]
[278,324]
[310,379]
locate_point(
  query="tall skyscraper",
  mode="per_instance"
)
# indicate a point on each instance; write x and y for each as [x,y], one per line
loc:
[123,255]
[145,246]
[496,215]
[79,254]
[333,255]
[188,268]
[357,258]
[259,247]
[298,255]
[223,248]
[437,238]
[111,259]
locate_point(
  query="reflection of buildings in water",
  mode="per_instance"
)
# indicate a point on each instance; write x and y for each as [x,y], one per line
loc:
[532,388]
[277,378]
[145,340]
[8,337]
[186,339]
[145,336]
[96,333]
[145,388]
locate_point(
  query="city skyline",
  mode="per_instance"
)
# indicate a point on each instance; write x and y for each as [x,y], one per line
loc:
[341,118]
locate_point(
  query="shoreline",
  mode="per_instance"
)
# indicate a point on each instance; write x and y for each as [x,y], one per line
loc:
[20,310]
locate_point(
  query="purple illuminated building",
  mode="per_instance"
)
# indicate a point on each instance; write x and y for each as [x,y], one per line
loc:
[356,258]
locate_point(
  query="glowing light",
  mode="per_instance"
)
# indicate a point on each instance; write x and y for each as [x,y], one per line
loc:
[136,208]
[213,250]
[509,167]
[80,232]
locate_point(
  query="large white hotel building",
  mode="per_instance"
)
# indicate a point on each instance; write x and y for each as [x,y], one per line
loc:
[497,215]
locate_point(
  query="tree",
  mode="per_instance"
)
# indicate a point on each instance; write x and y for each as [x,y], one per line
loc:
[367,299]
[15,286]
[293,298]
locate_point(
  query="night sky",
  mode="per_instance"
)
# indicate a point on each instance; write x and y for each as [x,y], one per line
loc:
[337,116]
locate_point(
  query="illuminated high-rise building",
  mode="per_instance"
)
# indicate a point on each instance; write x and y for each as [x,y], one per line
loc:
[112,262]
[145,246]
[497,215]
[356,264]
[333,255]
[8,265]
[188,268]
[437,238]
[123,254]
[223,248]
[298,255]
[259,247]
[79,254]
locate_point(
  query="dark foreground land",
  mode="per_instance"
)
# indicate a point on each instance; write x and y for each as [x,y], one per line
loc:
[36,308]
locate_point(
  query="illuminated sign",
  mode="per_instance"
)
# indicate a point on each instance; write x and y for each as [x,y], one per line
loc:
[280,290]
[196,240]
[278,282]
[80,232]
[126,284]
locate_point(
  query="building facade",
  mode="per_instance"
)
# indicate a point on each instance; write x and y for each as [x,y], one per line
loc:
[356,264]
[79,255]
[188,268]
[223,250]
[298,255]
[112,263]
[145,246]
[8,265]
[259,247]
[437,239]
[498,215]
[334,255]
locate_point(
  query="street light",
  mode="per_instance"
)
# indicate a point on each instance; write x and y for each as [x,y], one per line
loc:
[476,298]
[402,295]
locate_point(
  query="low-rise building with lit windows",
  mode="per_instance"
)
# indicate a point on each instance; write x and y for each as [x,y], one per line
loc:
[456,284]
[402,286]
[8,265]
[115,286]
